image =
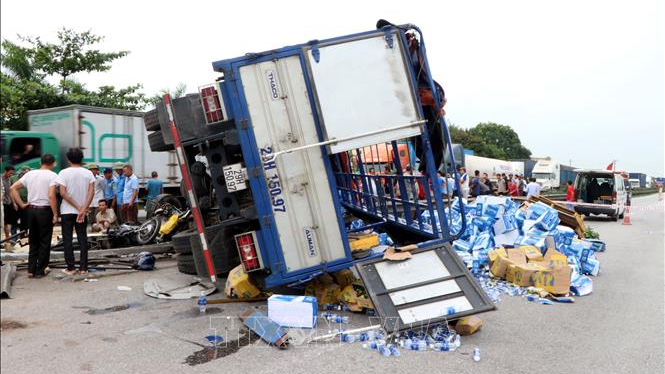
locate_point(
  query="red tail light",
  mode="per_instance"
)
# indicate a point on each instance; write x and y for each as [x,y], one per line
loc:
[614,196]
[249,251]
[211,105]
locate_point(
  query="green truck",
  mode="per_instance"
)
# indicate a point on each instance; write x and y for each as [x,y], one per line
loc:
[106,136]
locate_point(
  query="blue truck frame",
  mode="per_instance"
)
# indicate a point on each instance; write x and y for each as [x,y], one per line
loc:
[237,109]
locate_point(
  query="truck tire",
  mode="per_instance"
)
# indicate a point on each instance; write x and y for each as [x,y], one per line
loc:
[151,120]
[222,248]
[186,264]
[181,242]
[156,141]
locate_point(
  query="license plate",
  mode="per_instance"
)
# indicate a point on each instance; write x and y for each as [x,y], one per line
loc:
[234,176]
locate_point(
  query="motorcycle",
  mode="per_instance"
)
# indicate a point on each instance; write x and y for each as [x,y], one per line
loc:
[159,228]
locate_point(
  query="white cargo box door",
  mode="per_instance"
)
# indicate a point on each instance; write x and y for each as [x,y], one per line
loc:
[298,184]
[363,86]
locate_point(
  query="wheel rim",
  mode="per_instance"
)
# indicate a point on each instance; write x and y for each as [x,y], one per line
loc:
[147,230]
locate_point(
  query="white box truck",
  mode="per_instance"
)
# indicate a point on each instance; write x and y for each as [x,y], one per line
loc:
[547,173]
[106,136]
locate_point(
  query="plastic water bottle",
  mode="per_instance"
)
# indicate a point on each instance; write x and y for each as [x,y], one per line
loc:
[331,317]
[450,310]
[384,350]
[418,345]
[394,351]
[441,346]
[348,338]
[203,302]
[371,335]
[476,354]
[374,345]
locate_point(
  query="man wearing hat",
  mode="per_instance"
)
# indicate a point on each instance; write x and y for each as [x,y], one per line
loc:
[109,185]
[99,192]
[119,190]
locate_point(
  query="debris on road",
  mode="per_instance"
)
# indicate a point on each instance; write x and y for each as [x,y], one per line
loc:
[238,285]
[269,331]
[177,287]
[468,325]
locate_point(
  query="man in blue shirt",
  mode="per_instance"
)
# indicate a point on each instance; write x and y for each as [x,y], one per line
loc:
[109,184]
[119,189]
[154,186]
[130,196]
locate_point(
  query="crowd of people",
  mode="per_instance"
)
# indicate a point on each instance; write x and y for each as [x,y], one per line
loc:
[505,185]
[78,197]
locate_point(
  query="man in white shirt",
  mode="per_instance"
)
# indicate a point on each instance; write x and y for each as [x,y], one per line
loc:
[532,188]
[77,190]
[99,192]
[41,212]
[464,182]
[130,196]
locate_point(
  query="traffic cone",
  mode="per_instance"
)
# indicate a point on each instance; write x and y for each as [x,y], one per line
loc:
[626,216]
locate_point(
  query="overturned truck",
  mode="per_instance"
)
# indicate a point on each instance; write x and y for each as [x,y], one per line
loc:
[289,145]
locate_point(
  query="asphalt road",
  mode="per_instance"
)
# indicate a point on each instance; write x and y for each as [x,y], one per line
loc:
[616,329]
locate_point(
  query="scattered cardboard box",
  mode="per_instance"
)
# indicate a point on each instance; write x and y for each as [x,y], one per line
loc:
[392,255]
[344,277]
[326,292]
[532,253]
[468,325]
[554,280]
[293,311]
[359,242]
[522,274]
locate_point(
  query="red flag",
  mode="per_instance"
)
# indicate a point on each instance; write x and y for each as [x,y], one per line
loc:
[610,166]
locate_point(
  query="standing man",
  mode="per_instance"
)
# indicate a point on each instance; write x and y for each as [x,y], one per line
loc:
[475,184]
[41,212]
[464,182]
[119,191]
[109,184]
[10,212]
[21,214]
[77,188]
[570,195]
[154,186]
[130,196]
[502,187]
[532,188]
[99,192]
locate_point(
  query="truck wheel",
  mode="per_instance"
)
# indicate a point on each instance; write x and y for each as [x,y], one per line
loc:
[222,248]
[186,264]
[614,217]
[151,120]
[181,242]
[156,141]
[622,214]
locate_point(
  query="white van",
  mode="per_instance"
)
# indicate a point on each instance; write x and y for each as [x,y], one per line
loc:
[600,192]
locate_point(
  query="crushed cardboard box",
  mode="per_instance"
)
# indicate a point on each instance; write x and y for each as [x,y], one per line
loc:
[468,325]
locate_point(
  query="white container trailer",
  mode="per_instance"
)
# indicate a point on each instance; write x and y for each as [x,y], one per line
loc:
[491,166]
[106,136]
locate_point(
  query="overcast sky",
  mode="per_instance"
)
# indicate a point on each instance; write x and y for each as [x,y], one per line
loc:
[579,81]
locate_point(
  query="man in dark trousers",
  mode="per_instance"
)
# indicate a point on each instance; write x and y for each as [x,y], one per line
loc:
[41,212]
[77,188]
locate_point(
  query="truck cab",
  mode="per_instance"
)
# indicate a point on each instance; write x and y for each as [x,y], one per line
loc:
[547,174]
[25,148]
